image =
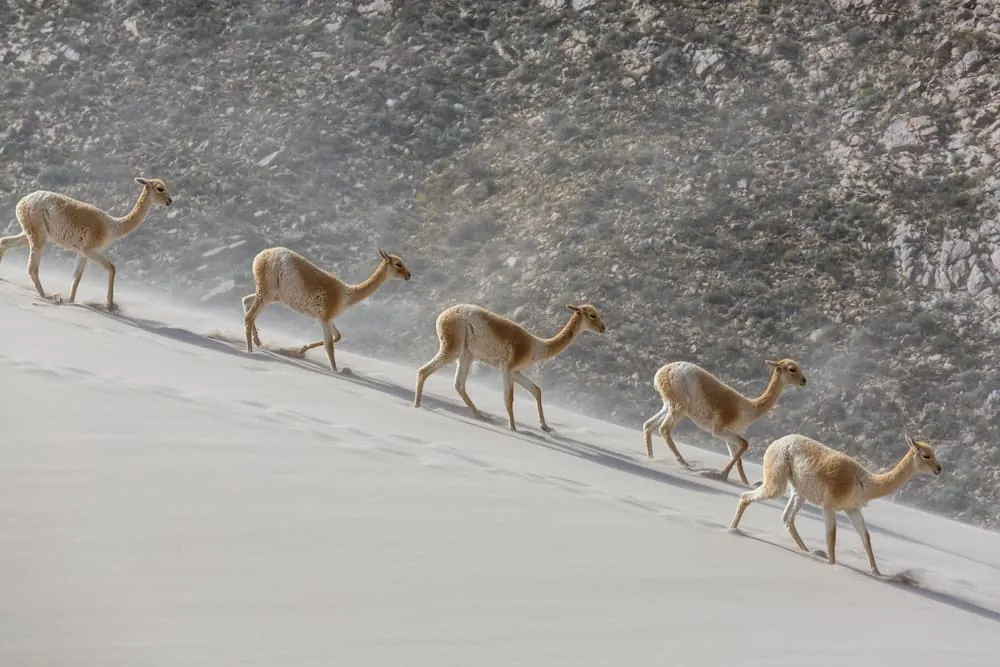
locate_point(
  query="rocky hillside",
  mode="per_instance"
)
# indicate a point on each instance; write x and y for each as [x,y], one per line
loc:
[727,182]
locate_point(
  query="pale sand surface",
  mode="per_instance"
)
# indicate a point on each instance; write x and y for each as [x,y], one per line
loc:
[166,499]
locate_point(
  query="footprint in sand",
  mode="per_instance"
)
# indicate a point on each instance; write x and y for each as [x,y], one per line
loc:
[641,504]
[565,481]
[409,439]
[41,370]
[78,372]
[350,430]
[706,523]
[905,578]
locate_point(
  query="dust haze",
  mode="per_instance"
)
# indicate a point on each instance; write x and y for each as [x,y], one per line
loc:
[521,159]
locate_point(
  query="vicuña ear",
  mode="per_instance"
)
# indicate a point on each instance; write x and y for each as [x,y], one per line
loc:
[772,364]
[141,181]
[909,440]
[575,309]
[383,254]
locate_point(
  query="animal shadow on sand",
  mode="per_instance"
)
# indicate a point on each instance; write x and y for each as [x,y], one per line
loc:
[618,461]
[816,513]
[563,444]
[219,342]
[906,580]
[178,334]
[553,440]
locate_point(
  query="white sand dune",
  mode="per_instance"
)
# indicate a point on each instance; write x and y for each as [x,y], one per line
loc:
[167,499]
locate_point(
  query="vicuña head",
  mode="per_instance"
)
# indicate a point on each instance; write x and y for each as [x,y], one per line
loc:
[397,270]
[926,460]
[788,372]
[157,188]
[590,318]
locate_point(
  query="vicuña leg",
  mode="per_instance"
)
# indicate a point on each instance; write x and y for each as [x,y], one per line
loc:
[461,377]
[257,304]
[666,430]
[737,445]
[328,340]
[12,242]
[248,301]
[762,492]
[336,339]
[451,343]
[795,502]
[508,397]
[831,534]
[34,261]
[536,391]
[81,264]
[866,538]
[647,428]
[110,268]
[774,485]
[441,359]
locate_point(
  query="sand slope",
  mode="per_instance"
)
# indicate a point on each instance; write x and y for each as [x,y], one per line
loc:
[166,499]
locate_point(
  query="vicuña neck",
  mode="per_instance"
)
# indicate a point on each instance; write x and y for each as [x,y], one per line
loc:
[888,482]
[550,347]
[126,225]
[766,401]
[362,291]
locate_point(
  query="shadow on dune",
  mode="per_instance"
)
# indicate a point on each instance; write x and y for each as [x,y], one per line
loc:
[816,513]
[553,441]
[842,522]
[904,581]
[606,457]
[234,346]
[178,334]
